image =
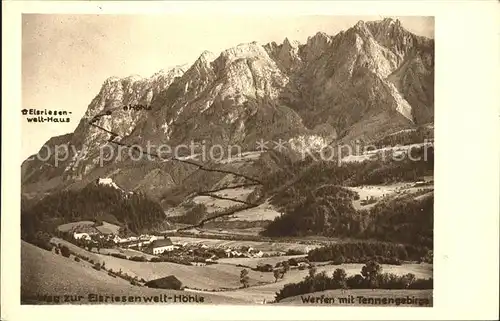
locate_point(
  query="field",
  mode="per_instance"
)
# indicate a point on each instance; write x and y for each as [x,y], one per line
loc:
[127,252]
[253,262]
[46,274]
[235,244]
[263,212]
[374,154]
[74,225]
[418,297]
[87,226]
[380,192]
[267,292]
[108,228]
[239,193]
[215,204]
[242,158]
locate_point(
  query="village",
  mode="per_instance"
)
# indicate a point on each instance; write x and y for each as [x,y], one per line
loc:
[157,248]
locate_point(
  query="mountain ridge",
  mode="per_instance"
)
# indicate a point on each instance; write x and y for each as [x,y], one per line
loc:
[360,83]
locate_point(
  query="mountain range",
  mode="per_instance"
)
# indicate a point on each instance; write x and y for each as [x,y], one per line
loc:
[363,83]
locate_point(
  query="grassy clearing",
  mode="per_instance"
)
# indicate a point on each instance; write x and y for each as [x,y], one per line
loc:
[127,252]
[380,192]
[251,231]
[74,225]
[258,294]
[423,270]
[419,297]
[263,212]
[242,158]
[253,262]
[108,228]
[214,204]
[259,246]
[420,271]
[46,273]
[239,193]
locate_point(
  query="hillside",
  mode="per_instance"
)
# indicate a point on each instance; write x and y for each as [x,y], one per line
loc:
[45,273]
[213,277]
[134,212]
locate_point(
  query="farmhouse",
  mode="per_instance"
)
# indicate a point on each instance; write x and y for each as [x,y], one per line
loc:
[168,282]
[84,236]
[160,246]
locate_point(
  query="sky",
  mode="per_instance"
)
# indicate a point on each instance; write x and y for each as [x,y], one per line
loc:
[66,58]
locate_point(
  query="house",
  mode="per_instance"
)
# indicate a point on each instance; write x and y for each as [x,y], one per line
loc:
[84,236]
[147,239]
[160,246]
[118,239]
[258,254]
[168,282]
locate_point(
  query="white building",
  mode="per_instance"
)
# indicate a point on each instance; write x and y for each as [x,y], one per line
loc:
[258,254]
[84,236]
[160,246]
[118,239]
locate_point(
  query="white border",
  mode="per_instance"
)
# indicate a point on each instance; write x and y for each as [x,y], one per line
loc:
[467,164]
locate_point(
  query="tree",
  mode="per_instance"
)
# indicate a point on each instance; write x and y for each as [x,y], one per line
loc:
[339,277]
[339,260]
[244,278]
[408,280]
[355,281]
[195,213]
[286,266]
[370,271]
[293,262]
[276,274]
[65,251]
[312,270]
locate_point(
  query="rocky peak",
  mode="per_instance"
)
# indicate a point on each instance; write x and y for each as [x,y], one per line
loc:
[319,38]
[289,45]
[287,54]
[206,57]
[175,71]
[362,30]
[241,51]
[201,70]
[391,22]
[391,34]
[317,45]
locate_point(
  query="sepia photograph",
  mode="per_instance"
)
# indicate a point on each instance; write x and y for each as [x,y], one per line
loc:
[291,162]
[239,160]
